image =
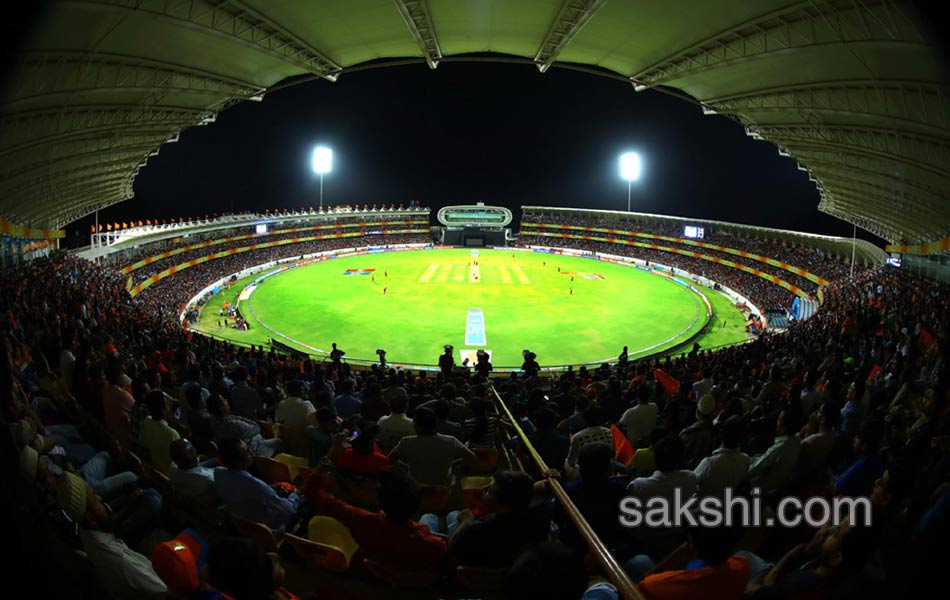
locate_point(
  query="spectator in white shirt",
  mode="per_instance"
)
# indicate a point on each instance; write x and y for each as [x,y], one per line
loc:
[704,385]
[393,427]
[293,414]
[728,467]
[774,470]
[640,420]
[430,455]
[157,435]
[666,482]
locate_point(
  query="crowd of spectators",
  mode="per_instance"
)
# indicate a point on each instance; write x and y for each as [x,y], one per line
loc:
[231,225]
[812,260]
[160,265]
[853,402]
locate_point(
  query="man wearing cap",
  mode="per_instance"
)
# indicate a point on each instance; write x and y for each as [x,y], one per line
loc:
[699,438]
[180,562]
[123,572]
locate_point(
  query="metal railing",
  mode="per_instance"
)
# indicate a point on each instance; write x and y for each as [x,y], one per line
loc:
[618,577]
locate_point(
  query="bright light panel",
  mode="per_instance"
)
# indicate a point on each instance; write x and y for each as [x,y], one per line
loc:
[630,166]
[322,159]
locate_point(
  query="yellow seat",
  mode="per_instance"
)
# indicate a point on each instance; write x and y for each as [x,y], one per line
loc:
[331,533]
[472,490]
[293,463]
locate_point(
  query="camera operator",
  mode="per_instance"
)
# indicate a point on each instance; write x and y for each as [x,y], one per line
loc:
[382,357]
[336,355]
[530,365]
[483,366]
[447,361]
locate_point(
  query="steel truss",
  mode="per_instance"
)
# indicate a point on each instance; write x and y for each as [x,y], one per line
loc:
[62,75]
[926,152]
[230,20]
[19,131]
[923,106]
[807,24]
[572,17]
[415,13]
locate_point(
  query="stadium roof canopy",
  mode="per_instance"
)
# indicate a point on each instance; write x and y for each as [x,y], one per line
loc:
[851,89]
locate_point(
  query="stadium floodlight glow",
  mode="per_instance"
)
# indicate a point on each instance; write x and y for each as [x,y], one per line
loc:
[322,162]
[629,170]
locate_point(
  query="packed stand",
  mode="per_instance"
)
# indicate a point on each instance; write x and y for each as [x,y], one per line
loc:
[812,260]
[851,403]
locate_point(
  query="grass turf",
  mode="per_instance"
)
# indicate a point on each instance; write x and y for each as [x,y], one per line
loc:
[525,301]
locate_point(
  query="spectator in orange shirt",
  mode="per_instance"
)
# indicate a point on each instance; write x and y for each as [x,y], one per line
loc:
[389,536]
[362,456]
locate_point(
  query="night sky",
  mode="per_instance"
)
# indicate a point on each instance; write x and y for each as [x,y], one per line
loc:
[502,134]
[499,133]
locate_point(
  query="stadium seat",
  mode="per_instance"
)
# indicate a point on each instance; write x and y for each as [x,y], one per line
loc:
[435,498]
[273,471]
[258,532]
[161,482]
[487,459]
[329,544]
[472,490]
[136,465]
[320,556]
[294,463]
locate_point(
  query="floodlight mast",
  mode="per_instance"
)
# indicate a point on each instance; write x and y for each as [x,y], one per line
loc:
[322,162]
[629,170]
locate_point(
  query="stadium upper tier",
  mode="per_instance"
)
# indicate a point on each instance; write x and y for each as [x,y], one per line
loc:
[855,92]
[153,242]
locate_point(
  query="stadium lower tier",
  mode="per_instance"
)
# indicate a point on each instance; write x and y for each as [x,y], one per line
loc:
[367,483]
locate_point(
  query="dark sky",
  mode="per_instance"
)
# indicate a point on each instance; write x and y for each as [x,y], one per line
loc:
[499,133]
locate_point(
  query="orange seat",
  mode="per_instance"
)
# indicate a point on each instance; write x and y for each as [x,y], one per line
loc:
[487,458]
[273,471]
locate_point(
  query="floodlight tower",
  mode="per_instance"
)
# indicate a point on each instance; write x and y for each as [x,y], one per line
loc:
[322,162]
[629,170]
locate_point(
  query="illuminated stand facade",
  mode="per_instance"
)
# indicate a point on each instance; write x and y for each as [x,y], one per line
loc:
[475,226]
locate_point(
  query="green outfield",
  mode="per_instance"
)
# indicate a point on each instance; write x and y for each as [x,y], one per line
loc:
[411,303]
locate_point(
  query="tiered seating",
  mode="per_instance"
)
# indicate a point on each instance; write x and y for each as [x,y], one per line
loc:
[866,376]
